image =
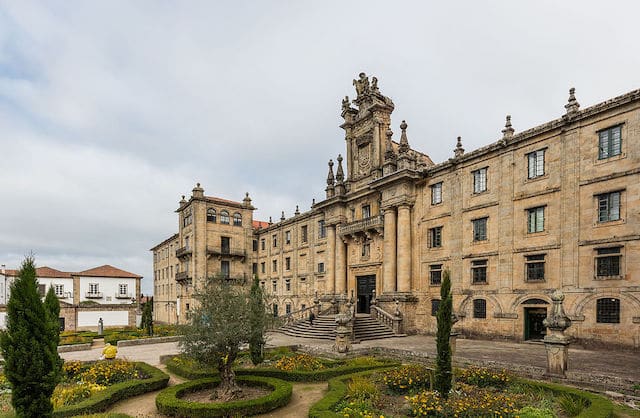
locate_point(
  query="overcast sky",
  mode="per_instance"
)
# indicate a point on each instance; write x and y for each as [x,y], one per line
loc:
[109,111]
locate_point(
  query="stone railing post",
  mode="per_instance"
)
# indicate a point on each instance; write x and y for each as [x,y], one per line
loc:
[374,302]
[453,335]
[397,320]
[343,334]
[555,342]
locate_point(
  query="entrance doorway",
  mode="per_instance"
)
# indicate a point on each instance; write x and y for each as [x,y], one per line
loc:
[366,285]
[534,329]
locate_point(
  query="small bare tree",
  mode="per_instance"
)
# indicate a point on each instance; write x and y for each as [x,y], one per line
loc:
[218,326]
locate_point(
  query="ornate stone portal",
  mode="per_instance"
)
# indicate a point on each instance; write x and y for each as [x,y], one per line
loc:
[555,342]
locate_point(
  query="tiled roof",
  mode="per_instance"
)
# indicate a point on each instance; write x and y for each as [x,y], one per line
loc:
[107,271]
[43,272]
[260,224]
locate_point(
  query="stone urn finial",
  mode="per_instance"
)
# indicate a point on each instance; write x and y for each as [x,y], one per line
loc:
[557,320]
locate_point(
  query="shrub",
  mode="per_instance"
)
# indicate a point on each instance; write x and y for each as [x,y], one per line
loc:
[168,401]
[482,377]
[572,406]
[299,362]
[408,378]
[71,393]
[363,361]
[109,372]
[361,388]
[357,409]
[531,412]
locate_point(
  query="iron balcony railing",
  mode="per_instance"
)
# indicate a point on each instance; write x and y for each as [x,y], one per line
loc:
[93,295]
[371,223]
[183,275]
[183,252]
[226,251]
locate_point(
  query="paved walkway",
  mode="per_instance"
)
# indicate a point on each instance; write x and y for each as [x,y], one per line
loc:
[607,370]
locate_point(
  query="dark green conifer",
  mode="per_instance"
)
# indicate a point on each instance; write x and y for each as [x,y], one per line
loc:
[258,322]
[443,376]
[32,363]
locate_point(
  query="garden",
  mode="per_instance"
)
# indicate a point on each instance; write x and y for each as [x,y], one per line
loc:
[113,335]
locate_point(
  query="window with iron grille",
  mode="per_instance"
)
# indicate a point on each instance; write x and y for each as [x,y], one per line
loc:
[435,237]
[608,262]
[534,265]
[211,215]
[304,235]
[479,308]
[435,274]
[480,180]
[535,218]
[609,207]
[287,308]
[436,193]
[480,229]
[322,230]
[435,304]
[535,164]
[320,267]
[610,142]
[608,311]
[479,271]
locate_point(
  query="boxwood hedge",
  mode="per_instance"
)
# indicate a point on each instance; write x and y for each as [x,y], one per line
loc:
[169,403]
[183,370]
[123,390]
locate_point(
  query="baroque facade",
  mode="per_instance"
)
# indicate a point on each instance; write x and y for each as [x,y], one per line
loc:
[552,207]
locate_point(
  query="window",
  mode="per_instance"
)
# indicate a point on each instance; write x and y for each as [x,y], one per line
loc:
[211,215]
[262,244]
[320,267]
[480,229]
[608,311]
[366,249]
[287,308]
[287,237]
[287,285]
[608,262]
[304,235]
[479,271]
[436,193]
[274,286]
[535,221]
[609,207]
[322,230]
[480,180]
[237,219]
[255,245]
[93,288]
[435,305]
[225,269]
[187,217]
[186,242]
[59,289]
[536,164]
[479,308]
[254,268]
[263,267]
[225,245]
[122,289]
[534,265]
[435,274]
[287,263]
[610,142]
[366,211]
[274,266]
[274,238]
[224,217]
[275,310]
[435,237]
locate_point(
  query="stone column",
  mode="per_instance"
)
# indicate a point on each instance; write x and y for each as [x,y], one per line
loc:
[404,248]
[389,268]
[341,266]
[331,260]
[555,342]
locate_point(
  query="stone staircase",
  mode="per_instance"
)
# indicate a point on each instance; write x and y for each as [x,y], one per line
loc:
[324,328]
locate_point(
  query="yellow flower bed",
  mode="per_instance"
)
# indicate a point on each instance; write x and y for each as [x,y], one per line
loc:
[482,377]
[299,362]
[70,393]
[407,378]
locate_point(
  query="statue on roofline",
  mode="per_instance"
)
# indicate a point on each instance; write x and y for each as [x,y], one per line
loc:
[362,85]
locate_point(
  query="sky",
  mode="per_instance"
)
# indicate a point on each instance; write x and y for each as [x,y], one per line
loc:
[110,111]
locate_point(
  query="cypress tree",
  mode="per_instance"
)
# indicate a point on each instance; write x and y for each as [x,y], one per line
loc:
[52,311]
[258,322]
[443,374]
[32,364]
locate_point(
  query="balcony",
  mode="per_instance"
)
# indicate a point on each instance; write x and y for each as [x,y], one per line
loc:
[183,276]
[123,295]
[93,295]
[363,226]
[235,278]
[226,251]
[184,252]
[64,295]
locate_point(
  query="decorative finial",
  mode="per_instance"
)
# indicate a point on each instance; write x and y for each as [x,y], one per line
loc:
[270,220]
[339,172]
[330,177]
[389,154]
[459,150]
[507,132]
[247,199]
[297,212]
[572,106]
[404,142]
[346,104]
[282,218]
[313,202]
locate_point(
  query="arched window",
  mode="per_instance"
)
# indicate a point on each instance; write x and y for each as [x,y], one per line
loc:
[211,215]
[237,219]
[608,311]
[224,217]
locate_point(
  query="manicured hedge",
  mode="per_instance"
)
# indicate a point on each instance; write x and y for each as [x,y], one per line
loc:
[123,390]
[169,403]
[292,376]
[599,407]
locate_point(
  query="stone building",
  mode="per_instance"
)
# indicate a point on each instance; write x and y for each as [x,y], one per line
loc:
[552,207]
